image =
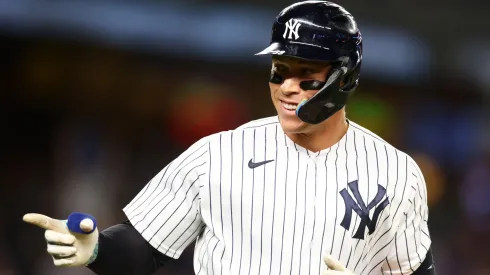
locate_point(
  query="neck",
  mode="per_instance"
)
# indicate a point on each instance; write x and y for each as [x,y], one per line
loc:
[323,135]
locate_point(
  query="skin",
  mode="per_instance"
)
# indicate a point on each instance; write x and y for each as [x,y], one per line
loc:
[312,137]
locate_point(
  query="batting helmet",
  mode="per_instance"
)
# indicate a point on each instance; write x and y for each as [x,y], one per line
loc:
[321,31]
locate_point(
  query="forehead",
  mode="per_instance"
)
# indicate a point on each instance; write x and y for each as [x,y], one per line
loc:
[294,61]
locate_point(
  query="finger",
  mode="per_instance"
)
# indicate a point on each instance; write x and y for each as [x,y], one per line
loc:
[334,272]
[81,223]
[87,225]
[59,251]
[333,263]
[64,262]
[45,222]
[54,237]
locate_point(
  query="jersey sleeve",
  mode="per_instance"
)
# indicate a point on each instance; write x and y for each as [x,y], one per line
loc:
[166,212]
[412,239]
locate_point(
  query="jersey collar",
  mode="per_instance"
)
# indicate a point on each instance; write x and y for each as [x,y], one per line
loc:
[292,145]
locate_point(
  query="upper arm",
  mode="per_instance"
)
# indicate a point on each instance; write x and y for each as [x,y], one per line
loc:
[412,240]
[166,211]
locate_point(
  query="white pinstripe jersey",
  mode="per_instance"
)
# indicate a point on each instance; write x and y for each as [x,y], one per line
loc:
[282,216]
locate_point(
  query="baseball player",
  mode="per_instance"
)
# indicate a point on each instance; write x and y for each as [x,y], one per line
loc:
[305,192]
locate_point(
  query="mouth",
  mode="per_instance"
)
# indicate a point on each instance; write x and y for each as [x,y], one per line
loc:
[289,106]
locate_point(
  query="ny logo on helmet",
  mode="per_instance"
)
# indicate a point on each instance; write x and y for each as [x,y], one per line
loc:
[292,26]
[278,52]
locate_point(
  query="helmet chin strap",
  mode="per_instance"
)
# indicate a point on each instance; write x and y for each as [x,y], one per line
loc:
[327,101]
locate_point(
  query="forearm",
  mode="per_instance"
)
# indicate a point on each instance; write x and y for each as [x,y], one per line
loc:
[123,251]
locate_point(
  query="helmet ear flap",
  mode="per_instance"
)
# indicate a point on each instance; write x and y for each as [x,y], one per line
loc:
[328,100]
[351,81]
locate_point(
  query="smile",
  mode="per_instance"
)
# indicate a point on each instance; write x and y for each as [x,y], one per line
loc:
[289,106]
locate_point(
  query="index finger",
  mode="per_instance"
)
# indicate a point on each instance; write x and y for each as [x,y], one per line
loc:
[44,222]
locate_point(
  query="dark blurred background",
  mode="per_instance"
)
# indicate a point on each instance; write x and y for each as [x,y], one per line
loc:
[97,96]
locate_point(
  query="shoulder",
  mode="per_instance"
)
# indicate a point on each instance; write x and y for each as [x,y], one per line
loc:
[404,177]
[406,162]
[259,123]
[403,170]
[220,138]
[267,124]
[371,137]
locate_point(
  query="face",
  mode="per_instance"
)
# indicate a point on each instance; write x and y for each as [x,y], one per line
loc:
[288,95]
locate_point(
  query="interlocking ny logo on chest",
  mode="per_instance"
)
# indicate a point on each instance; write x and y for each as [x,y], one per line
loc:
[361,209]
[253,165]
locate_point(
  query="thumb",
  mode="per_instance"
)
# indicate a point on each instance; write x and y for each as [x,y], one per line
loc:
[333,263]
[81,223]
[45,222]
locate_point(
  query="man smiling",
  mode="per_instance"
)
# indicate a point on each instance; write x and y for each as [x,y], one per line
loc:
[304,192]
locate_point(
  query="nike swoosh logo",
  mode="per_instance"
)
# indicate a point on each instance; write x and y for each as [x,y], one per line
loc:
[253,165]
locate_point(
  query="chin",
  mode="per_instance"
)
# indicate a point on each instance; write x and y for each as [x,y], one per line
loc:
[292,125]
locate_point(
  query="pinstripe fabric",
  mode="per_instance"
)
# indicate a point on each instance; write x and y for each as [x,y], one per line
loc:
[281,217]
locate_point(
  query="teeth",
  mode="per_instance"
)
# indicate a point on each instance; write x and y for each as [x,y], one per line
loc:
[291,107]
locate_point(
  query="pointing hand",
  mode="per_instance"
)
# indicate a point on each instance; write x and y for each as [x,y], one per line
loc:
[73,242]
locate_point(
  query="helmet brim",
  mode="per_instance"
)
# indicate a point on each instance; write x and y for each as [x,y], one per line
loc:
[300,50]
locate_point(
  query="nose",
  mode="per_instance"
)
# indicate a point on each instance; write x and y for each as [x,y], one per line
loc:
[290,86]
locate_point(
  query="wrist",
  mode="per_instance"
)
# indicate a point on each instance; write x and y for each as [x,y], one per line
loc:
[94,254]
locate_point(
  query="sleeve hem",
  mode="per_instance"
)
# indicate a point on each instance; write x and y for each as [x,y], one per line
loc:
[162,248]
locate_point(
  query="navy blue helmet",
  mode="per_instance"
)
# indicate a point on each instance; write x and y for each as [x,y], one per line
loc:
[320,31]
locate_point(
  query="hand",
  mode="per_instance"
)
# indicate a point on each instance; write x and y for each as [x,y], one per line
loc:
[73,242]
[335,267]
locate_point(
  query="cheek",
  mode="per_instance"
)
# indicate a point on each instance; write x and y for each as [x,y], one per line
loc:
[308,93]
[273,88]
